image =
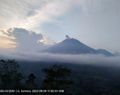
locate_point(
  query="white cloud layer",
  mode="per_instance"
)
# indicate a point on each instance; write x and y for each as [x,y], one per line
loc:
[89,59]
[95,18]
[31,14]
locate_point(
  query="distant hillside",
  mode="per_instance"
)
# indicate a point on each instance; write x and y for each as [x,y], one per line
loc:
[74,46]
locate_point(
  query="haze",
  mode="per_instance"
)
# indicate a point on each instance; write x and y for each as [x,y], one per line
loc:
[93,22]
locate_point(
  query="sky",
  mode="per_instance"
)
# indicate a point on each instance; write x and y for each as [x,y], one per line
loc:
[93,22]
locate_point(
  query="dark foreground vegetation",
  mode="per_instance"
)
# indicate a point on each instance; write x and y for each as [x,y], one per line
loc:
[73,79]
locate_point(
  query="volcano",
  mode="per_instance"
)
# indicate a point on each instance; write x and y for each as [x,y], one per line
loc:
[74,46]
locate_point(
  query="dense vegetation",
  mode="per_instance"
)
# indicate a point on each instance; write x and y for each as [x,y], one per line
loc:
[73,79]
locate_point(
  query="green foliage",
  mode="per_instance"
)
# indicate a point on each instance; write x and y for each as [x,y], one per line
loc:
[10,76]
[30,82]
[57,77]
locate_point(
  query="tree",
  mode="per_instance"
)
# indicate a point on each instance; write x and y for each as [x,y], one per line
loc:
[10,76]
[30,82]
[57,77]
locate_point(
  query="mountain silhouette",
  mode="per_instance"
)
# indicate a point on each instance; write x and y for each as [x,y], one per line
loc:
[104,52]
[74,46]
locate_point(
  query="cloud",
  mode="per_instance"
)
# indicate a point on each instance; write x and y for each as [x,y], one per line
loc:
[87,59]
[25,40]
[31,14]
[96,18]
[22,40]
[6,41]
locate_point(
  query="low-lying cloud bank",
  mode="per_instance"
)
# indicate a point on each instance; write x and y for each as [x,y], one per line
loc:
[67,58]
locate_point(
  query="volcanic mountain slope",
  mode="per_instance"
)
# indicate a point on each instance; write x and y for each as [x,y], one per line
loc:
[74,46]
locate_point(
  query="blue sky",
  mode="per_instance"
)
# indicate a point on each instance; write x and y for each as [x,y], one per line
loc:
[65,24]
[93,22]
